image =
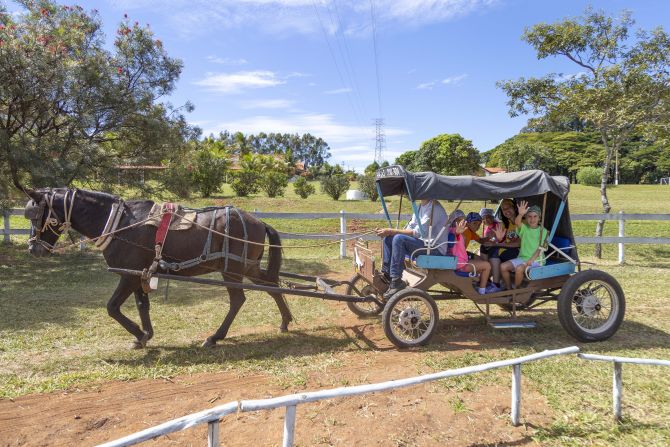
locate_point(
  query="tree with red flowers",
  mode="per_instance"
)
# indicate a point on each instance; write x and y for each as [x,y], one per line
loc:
[71,109]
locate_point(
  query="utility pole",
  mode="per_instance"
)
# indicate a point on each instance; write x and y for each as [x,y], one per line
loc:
[380,140]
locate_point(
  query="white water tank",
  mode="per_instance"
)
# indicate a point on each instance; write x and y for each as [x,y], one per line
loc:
[354,194]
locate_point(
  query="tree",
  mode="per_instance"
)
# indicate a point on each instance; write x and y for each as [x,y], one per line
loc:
[303,188]
[368,185]
[64,97]
[209,166]
[335,185]
[371,169]
[448,154]
[274,183]
[406,160]
[622,86]
[515,155]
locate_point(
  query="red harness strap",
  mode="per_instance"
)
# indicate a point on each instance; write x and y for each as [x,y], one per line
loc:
[168,209]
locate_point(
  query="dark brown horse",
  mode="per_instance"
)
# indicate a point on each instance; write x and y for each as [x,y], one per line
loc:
[52,211]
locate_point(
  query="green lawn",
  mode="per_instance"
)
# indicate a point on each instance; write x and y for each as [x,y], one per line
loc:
[55,333]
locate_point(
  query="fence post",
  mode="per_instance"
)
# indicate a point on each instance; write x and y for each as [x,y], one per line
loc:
[213,434]
[617,385]
[343,229]
[289,426]
[516,393]
[5,216]
[621,234]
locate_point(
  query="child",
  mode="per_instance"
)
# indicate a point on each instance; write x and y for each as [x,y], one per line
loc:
[473,222]
[483,268]
[488,234]
[532,238]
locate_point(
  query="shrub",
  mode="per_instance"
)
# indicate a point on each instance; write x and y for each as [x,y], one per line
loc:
[589,175]
[368,185]
[245,183]
[274,183]
[209,171]
[177,179]
[303,188]
[335,186]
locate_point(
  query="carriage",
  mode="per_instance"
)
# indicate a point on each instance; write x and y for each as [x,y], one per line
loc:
[590,302]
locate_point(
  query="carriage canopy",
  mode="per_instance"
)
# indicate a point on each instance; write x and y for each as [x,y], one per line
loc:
[395,180]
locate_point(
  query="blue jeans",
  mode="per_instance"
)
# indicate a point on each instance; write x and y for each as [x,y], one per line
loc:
[395,249]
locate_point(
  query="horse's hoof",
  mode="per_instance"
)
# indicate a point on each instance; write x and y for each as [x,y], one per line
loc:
[142,342]
[208,343]
[283,328]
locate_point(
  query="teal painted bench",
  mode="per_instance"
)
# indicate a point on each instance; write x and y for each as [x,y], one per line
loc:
[551,270]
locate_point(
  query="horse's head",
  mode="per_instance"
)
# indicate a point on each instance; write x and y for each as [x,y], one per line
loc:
[49,212]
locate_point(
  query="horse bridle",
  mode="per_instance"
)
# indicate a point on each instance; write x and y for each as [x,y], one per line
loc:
[51,222]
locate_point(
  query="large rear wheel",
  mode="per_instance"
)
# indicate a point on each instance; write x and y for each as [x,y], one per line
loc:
[363,309]
[410,318]
[591,306]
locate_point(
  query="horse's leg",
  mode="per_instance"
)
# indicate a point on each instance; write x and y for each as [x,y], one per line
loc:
[286,315]
[237,299]
[142,303]
[126,286]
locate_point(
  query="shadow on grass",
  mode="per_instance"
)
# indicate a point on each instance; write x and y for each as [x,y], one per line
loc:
[236,349]
[564,432]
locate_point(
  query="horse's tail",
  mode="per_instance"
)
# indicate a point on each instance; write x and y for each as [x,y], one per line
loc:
[274,254]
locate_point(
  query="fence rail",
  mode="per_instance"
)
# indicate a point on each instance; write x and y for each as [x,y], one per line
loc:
[290,402]
[343,236]
[617,381]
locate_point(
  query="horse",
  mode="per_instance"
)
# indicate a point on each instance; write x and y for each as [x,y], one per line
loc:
[53,211]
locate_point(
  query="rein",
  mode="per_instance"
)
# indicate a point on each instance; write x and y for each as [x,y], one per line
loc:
[52,223]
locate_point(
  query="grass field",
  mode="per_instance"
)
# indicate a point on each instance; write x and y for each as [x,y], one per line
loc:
[55,333]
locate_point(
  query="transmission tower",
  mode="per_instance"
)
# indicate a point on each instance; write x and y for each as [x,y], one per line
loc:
[380,140]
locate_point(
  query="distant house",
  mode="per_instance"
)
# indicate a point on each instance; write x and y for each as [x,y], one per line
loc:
[492,171]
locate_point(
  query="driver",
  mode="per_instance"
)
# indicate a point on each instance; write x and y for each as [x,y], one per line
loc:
[399,243]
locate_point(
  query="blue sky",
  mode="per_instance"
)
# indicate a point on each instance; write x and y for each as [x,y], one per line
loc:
[309,65]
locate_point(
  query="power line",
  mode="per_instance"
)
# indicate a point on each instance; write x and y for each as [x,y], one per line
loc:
[337,66]
[374,44]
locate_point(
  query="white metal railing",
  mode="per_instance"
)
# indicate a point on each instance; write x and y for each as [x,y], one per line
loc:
[617,382]
[342,236]
[290,402]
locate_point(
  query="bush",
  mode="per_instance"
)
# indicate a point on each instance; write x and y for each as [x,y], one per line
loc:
[209,171]
[274,183]
[177,179]
[335,186]
[245,183]
[368,185]
[303,188]
[589,176]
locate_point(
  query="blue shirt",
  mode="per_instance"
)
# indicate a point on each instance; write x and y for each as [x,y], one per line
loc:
[439,222]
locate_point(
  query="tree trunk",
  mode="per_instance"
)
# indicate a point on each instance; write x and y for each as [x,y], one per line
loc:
[603,195]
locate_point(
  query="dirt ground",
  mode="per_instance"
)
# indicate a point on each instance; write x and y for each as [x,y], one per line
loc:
[423,415]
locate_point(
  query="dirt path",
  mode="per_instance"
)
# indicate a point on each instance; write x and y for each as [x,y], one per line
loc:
[423,415]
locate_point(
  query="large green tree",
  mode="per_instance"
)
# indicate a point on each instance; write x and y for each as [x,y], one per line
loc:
[69,106]
[448,154]
[621,85]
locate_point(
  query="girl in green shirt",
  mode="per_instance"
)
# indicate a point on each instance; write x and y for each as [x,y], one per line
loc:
[532,240]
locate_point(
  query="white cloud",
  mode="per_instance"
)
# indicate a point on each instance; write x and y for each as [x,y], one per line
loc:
[239,81]
[197,17]
[226,60]
[426,85]
[338,91]
[454,79]
[267,104]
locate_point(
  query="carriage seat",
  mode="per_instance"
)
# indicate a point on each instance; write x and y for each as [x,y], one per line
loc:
[556,265]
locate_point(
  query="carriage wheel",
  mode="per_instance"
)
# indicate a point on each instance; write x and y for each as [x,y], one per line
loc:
[591,306]
[410,318]
[363,309]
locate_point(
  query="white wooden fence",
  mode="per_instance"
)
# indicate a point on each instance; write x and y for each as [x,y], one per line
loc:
[290,402]
[342,236]
[617,382]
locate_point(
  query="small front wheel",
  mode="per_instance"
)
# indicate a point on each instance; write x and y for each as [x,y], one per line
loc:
[410,318]
[591,306]
[363,309]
